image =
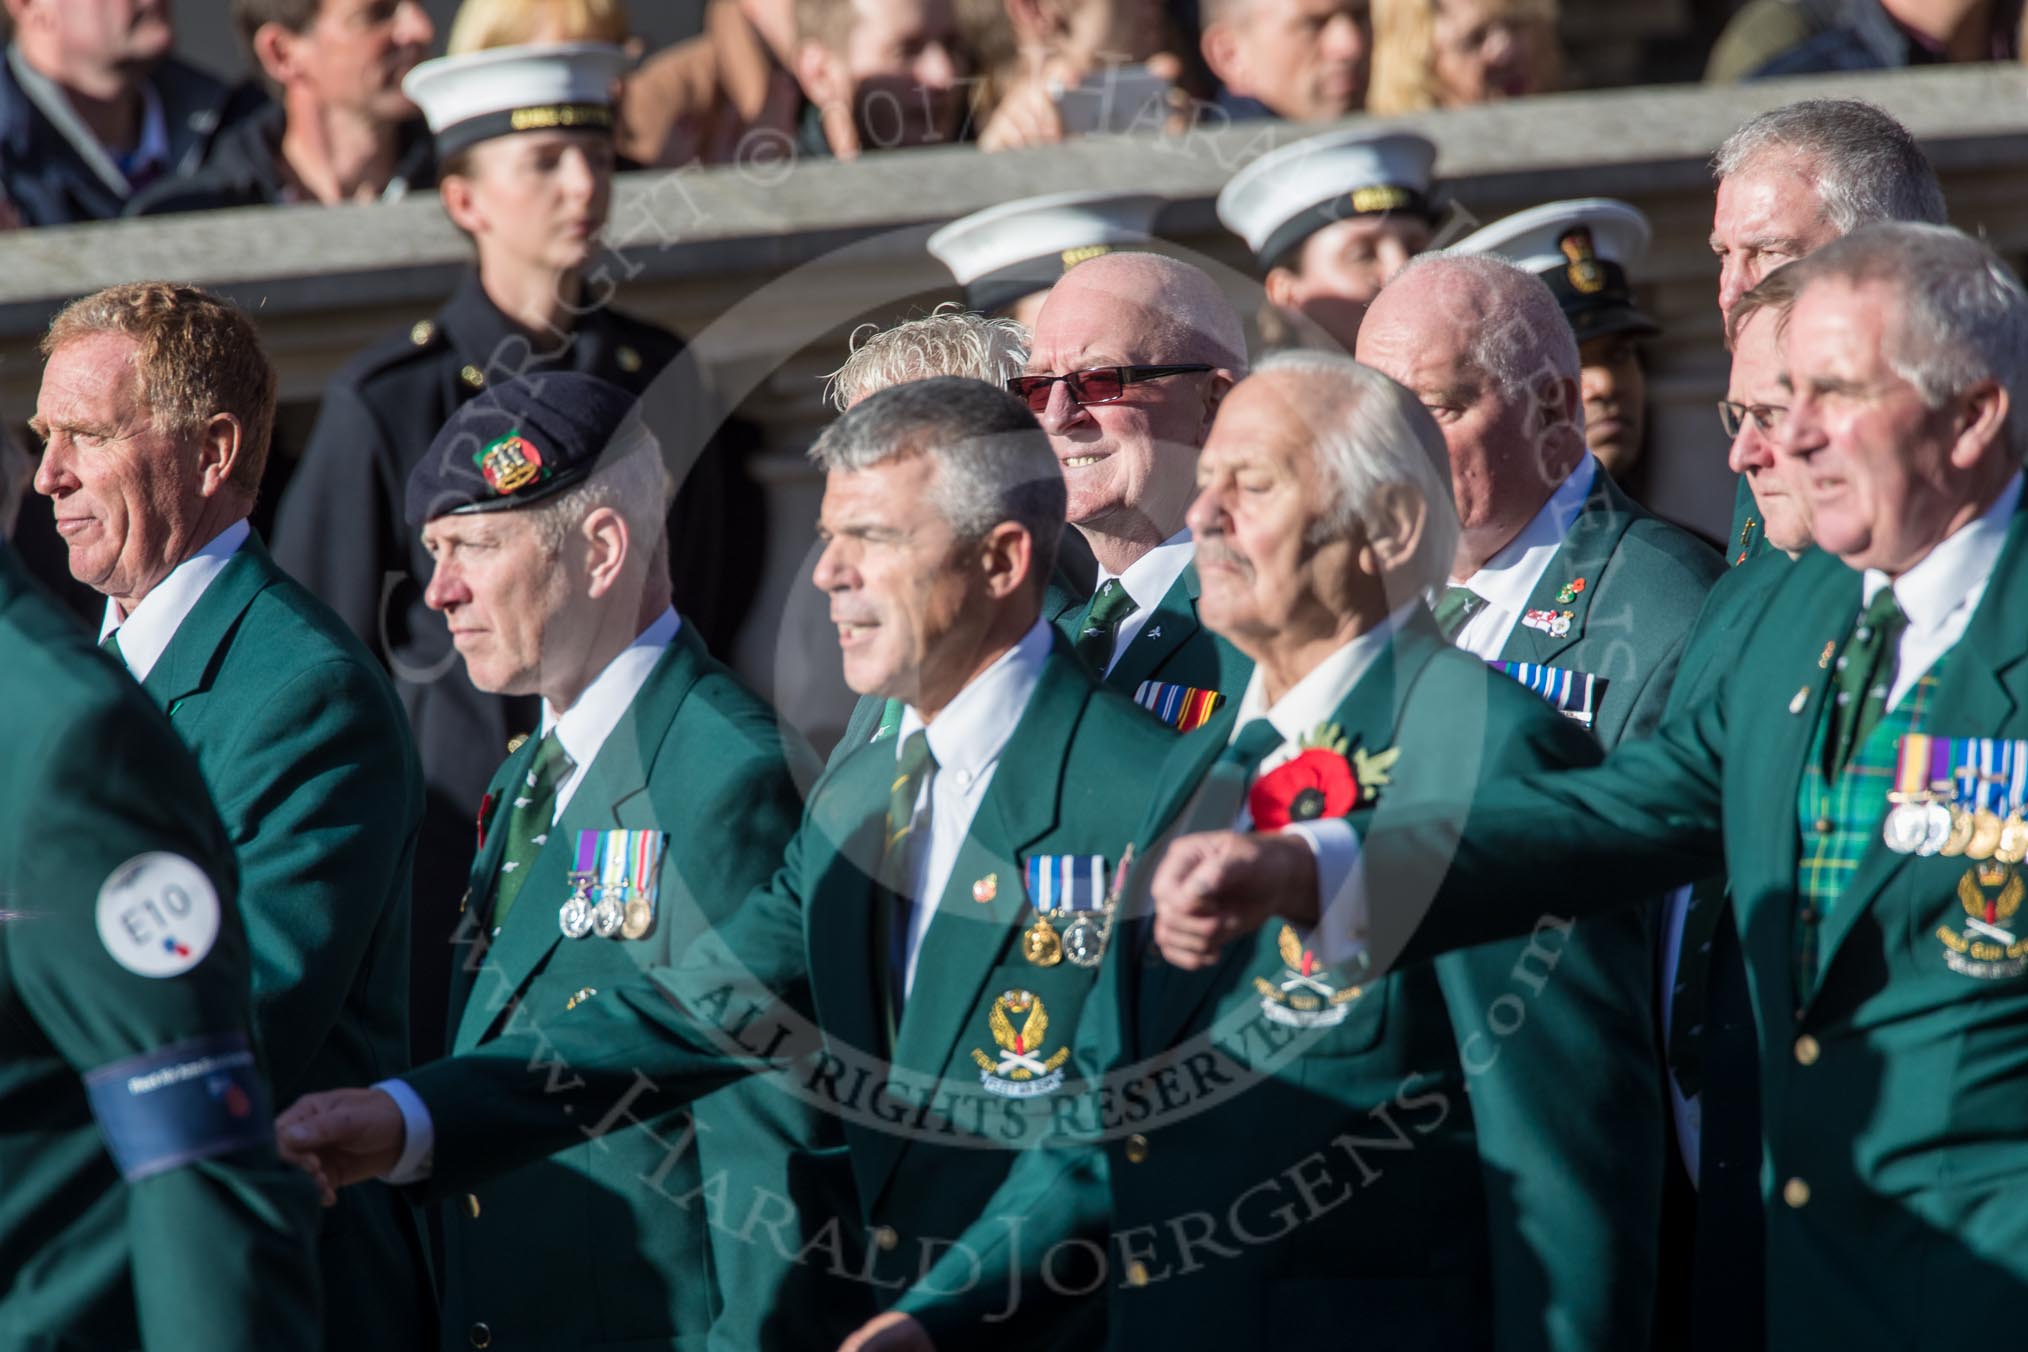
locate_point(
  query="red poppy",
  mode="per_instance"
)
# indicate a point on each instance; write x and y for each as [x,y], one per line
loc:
[1318,783]
[1578,585]
[485,815]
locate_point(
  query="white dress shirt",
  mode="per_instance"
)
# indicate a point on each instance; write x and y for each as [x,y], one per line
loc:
[1940,593]
[582,729]
[1509,578]
[145,631]
[1147,581]
[966,739]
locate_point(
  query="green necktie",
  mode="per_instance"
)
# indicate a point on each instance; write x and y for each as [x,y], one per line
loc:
[1231,774]
[1101,621]
[1865,674]
[528,823]
[890,721]
[111,644]
[914,765]
[1455,608]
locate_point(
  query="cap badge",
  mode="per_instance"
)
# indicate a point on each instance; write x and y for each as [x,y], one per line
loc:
[510,464]
[1584,272]
[1378,197]
[1072,257]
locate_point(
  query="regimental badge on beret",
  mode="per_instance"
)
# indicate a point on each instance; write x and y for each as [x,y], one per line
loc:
[1584,272]
[511,463]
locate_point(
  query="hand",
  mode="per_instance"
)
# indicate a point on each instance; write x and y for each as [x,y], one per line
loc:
[342,1137]
[890,1332]
[1218,886]
[1027,116]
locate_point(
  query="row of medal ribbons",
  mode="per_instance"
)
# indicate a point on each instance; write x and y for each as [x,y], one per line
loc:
[1959,796]
[613,887]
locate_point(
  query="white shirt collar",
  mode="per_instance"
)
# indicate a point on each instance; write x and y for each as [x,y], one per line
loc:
[968,735]
[145,633]
[1313,699]
[584,727]
[1149,577]
[1509,578]
[1952,576]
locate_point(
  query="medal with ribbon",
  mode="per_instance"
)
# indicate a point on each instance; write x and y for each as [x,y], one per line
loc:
[1071,887]
[574,918]
[1957,796]
[610,915]
[644,851]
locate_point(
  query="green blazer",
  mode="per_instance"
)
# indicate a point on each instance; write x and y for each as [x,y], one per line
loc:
[1173,647]
[799,970]
[699,758]
[216,1252]
[1493,1119]
[307,754]
[1894,1113]
[1643,581]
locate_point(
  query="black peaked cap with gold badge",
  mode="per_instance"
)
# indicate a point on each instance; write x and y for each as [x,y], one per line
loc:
[1582,249]
[521,443]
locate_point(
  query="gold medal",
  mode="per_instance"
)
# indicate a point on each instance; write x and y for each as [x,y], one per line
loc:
[640,917]
[2013,846]
[1960,833]
[1986,827]
[1041,944]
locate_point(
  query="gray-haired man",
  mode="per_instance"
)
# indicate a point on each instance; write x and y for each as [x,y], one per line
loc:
[942,910]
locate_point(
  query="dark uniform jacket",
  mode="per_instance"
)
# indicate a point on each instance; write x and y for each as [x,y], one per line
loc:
[341,533]
[56,174]
[103,815]
[244,169]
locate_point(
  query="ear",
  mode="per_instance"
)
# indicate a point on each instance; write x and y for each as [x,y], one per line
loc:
[1396,517]
[1284,288]
[606,550]
[461,203]
[217,454]
[1981,423]
[1215,390]
[1008,555]
[274,47]
[1222,53]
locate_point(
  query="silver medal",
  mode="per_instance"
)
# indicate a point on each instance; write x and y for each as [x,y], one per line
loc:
[1084,941]
[1936,828]
[608,917]
[1906,827]
[574,918]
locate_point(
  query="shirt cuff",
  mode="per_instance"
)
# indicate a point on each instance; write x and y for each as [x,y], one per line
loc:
[418,1151]
[1340,936]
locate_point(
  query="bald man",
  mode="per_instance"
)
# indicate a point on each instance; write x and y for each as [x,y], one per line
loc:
[1132,354]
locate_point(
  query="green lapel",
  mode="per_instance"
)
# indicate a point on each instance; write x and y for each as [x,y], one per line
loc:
[1587,546]
[1978,693]
[1062,606]
[190,661]
[967,939]
[1172,625]
[616,774]
[1368,717]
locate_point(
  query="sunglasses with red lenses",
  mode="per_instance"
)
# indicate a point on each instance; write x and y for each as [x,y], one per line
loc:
[1099,385]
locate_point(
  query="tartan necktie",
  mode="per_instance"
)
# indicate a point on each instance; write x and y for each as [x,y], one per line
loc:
[528,823]
[1455,608]
[912,767]
[1101,622]
[1865,674]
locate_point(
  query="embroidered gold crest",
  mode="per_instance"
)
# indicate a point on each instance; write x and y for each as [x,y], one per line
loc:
[1988,947]
[1021,1070]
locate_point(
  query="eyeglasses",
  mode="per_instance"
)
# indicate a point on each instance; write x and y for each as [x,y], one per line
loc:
[1099,385]
[1765,417]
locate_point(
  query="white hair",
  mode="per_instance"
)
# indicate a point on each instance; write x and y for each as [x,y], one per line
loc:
[1370,434]
[1963,318]
[1866,166]
[948,341]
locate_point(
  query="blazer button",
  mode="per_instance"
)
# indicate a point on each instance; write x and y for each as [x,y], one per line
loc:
[886,1238]
[1136,1148]
[472,1205]
[1796,1193]
[1137,1273]
[480,1336]
[1807,1050]
[1825,826]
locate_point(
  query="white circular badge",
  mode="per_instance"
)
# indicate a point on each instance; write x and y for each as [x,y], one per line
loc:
[158,914]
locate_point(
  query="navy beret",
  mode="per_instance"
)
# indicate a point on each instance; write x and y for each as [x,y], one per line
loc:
[521,442]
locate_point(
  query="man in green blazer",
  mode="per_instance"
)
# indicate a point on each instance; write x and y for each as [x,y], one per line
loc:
[1858,769]
[144,1205]
[1127,445]
[927,945]
[155,407]
[657,794]
[1240,1108]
